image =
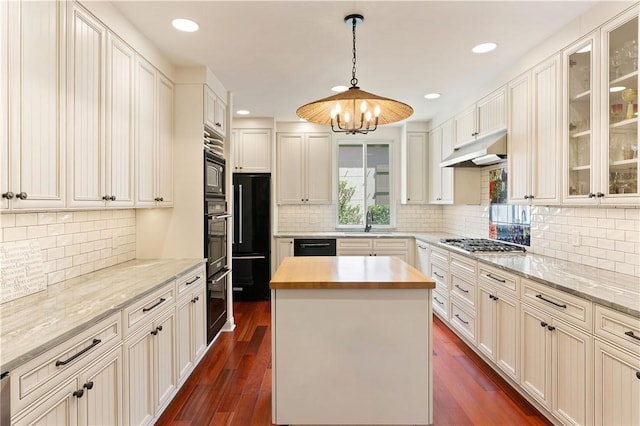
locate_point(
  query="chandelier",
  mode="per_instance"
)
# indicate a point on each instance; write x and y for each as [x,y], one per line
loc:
[354,111]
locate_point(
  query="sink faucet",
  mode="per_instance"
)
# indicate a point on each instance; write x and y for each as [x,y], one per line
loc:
[369,219]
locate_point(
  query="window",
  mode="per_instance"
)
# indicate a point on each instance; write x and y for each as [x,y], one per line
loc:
[364,183]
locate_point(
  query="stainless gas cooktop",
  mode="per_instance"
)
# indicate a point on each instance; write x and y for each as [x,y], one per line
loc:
[475,245]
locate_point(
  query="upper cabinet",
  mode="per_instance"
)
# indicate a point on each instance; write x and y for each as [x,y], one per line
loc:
[304,168]
[487,116]
[154,137]
[600,115]
[414,168]
[251,150]
[215,112]
[32,105]
[535,143]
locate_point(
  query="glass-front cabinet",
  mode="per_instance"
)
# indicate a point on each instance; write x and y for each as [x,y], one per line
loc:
[601,115]
[620,109]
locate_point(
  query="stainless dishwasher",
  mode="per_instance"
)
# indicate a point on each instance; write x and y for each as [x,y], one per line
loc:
[314,247]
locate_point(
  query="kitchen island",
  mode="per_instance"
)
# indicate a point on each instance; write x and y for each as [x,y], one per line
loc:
[351,341]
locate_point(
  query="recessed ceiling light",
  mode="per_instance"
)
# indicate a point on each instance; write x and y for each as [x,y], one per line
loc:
[186,25]
[617,89]
[484,48]
[432,95]
[242,112]
[339,88]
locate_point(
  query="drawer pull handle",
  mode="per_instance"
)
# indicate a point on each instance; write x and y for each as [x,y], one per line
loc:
[195,299]
[162,300]
[551,328]
[630,334]
[462,289]
[491,296]
[539,296]
[78,393]
[193,280]
[543,324]
[436,299]
[438,275]
[88,385]
[461,320]
[496,279]
[95,343]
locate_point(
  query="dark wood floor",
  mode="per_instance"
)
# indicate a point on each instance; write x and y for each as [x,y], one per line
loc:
[232,384]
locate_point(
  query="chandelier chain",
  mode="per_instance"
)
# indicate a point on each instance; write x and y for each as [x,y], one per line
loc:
[354,80]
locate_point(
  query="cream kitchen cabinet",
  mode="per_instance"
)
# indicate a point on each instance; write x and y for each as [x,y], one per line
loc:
[154,137]
[487,116]
[617,368]
[33,105]
[215,112]
[439,272]
[499,319]
[251,150]
[414,169]
[449,185]
[398,247]
[557,351]
[422,257]
[462,295]
[284,248]
[191,336]
[304,164]
[100,86]
[535,144]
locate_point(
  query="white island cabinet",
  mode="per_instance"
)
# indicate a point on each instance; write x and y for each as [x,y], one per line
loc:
[336,334]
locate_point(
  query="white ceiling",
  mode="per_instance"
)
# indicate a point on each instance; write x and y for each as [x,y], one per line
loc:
[277,55]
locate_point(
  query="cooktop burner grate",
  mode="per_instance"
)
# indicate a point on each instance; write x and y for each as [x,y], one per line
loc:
[472,245]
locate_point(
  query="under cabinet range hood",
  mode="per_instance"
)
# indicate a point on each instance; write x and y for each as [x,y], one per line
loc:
[487,150]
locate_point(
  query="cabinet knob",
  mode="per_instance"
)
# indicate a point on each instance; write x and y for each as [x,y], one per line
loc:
[78,393]
[113,198]
[218,125]
[543,324]
[551,328]
[526,197]
[599,194]
[531,197]
[106,197]
[159,328]
[195,299]
[591,195]
[638,374]
[154,332]
[88,385]
[21,195]
[8,195]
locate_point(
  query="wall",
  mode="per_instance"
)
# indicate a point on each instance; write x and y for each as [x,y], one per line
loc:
[75,243]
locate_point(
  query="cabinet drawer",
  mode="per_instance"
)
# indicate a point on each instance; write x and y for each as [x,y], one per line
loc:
[145,309]
[441,277]
[440,256]
[391,244]
[618,328]
[190,280]
[440,304]
[575,310]
[463,265]
[463,321]
[40,375]
[499,279]
[463,288]
[354,243]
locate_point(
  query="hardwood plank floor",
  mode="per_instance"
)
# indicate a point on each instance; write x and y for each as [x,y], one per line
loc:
[232,384]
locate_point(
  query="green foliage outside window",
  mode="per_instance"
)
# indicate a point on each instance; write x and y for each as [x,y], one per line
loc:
[380,214]
[347,214]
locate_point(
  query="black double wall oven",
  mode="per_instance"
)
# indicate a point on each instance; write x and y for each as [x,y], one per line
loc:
[215,242]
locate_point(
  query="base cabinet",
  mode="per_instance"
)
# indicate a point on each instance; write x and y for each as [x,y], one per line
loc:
[191,325]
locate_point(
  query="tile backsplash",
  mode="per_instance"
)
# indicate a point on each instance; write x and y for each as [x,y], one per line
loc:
[74,243]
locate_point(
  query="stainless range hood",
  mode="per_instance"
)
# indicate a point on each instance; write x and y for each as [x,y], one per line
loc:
[490,149]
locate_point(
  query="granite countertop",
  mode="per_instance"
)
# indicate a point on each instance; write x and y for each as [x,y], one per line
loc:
[33,324]
[612,289]
[348,272]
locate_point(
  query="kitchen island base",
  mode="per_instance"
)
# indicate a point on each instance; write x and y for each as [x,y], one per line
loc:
[352,356]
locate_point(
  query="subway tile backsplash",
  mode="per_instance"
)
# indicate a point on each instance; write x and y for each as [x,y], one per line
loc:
[75,243]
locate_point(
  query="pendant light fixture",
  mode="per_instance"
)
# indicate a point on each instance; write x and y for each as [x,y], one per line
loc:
[354,111]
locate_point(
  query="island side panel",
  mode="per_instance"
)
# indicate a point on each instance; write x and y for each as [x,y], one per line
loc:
[351,356]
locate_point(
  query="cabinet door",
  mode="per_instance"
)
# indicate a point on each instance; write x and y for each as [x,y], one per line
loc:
[184,347]
[145,133]
[221,116]
[199,327]
[58,408]
[546,152]
[519,140]
[507,333]
[486,321]
[138,378]
[284,248]
[447,172]
[120,131]
[422,257]
[102,385]
[492,113]
[435,172]
[209,108]
[86,89]
[33,138]
[416,182]
[254,151]
[318,168]
[572,362]
[164,169]
[290,162]
[617,385]
[165,360]
[465,126]
[535,349]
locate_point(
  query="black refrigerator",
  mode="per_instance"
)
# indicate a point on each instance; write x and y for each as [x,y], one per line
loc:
[251,260]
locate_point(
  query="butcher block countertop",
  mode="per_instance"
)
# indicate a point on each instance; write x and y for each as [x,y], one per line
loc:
[348,272]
